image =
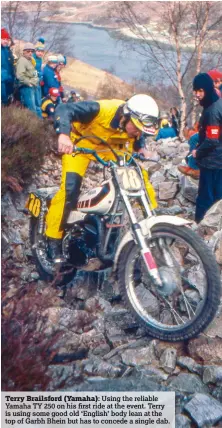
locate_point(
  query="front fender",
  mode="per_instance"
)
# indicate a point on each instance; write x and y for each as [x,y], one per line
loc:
[146,226]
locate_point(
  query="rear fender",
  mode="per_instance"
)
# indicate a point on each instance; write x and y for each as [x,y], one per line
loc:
[146,226]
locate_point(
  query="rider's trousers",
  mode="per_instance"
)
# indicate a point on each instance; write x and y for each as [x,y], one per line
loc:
[65,200]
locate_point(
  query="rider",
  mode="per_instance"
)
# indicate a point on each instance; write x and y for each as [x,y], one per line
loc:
[121,124]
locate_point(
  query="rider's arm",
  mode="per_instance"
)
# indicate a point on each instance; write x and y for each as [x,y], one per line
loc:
[140,143]
[65,114]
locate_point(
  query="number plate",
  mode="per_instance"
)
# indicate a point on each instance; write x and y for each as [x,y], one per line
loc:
[34,205]
[129,179]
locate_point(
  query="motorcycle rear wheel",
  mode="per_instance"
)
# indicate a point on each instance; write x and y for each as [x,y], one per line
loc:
[63,274]
[155,310]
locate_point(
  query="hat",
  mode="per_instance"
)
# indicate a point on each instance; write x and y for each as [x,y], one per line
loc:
[54,92]
[40,45]
[5,34]
[61,59]
[215,74]
[28,47]
[73,92]
[204,81]
[164,122]
[53,58]
[41,40]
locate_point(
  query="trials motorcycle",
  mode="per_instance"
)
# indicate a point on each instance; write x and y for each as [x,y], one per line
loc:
[168,278]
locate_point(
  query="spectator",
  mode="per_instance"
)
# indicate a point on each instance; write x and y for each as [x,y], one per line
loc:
[216,76]
[38,55]
[208,153]
[61,64]
[175,119]
[7,68]
[49,103]
[188,132]
[163,115]
[28,79]
[192,168]
[50,76]
[220,87]
[62,61]
[166,131]
[74,97]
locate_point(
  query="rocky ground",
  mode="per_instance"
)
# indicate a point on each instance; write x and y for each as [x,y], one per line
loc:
[96,344]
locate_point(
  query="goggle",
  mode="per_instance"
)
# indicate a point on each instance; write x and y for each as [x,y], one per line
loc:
[144,119]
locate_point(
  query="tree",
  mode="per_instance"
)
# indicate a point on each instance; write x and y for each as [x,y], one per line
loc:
[31,20]
[175,47]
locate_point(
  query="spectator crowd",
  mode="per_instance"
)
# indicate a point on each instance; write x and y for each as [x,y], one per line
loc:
[29,81]
[38,87]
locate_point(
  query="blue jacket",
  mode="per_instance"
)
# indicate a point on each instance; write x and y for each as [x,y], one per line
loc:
[7,67]
[50,79]
[38,66]
[166,133]
[193,142]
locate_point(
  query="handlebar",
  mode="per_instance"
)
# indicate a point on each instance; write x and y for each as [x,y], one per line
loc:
[109,163]
[91,152]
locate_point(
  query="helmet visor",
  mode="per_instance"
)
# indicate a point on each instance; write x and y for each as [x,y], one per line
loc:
[148,126]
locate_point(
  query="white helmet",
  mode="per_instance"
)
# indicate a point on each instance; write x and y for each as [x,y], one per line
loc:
[143,111]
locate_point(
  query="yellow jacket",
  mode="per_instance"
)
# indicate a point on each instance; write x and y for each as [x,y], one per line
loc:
[101,127]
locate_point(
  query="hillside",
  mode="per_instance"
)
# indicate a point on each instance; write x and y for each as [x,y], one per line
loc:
[155,28]
[85,77]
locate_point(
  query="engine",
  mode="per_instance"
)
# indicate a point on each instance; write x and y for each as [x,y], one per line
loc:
[79,244]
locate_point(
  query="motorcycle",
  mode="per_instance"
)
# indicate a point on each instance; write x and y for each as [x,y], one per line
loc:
[168,278]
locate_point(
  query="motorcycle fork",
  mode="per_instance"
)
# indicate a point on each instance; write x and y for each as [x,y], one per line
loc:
[139,238]
[116,212]
[41,225]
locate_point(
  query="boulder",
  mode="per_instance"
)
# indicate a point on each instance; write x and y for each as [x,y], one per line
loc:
[207,350]
[213,217]
[168,360]
[98,367]
[62,376]
[189,188]
[187,383]
[182,421]
[204,410]
[212,374]
[167,190]
[190,364]
[215,328]
[139,357]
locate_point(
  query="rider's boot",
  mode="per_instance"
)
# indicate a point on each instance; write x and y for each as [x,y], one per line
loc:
[71,192]
[55,250]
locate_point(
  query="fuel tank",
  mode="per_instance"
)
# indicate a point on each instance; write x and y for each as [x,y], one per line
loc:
[98,200]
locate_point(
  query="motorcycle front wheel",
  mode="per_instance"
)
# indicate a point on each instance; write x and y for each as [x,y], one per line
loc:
[190,294]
